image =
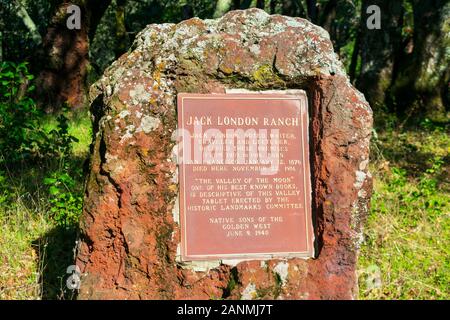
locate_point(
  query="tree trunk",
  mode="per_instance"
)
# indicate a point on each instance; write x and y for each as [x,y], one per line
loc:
[273,6]
[328,14]
[65,56]
[22,13]
[424,75]
[96,10]
[293,8]
[378,50]
[121,31]
[261,4]
[187,12]
[311,6]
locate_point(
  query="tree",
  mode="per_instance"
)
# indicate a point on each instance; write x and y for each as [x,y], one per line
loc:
[65,55]
[311,6]
[21,12]
[121,30]
[293,8]
[273,6]
[341,19]
[328,14]
[187,11]
[379,48]
[424,73]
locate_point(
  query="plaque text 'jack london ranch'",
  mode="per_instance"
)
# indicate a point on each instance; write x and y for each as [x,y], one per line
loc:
[245,190]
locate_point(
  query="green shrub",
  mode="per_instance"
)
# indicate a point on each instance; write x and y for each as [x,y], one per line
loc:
[66,202]
[23,139]
[18,113]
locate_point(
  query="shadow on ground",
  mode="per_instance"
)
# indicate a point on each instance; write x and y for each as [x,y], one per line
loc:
[400,144]
[56,254]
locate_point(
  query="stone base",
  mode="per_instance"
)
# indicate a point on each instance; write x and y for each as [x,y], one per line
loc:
[129,237]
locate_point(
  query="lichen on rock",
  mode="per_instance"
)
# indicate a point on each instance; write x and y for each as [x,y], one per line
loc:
[130,230]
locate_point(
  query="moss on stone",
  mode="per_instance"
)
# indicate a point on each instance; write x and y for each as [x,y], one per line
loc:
[265,76]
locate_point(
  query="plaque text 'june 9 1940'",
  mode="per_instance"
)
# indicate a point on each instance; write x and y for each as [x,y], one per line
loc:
[244,176]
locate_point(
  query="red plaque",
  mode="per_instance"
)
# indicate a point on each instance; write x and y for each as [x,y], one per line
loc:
[245,190]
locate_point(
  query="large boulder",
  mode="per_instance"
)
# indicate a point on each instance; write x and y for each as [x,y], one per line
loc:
[129,228]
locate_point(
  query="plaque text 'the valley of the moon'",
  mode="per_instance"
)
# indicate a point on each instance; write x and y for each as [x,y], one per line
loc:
[245,188]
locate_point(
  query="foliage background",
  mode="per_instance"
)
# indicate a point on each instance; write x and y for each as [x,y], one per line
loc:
[402,69]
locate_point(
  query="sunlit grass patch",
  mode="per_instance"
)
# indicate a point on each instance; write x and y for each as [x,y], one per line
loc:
[79,126]
[406,253]
[36,246]
[20,269]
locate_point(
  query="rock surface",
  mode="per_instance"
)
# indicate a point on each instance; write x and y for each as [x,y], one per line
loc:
[129,233]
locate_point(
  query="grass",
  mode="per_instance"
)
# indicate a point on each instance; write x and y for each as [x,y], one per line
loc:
[405,254]
[79,127]
[20,267]
[34,250]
